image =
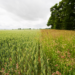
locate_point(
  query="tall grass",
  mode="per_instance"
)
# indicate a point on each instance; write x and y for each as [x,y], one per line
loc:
[59,48]
[37,52]
[19,52]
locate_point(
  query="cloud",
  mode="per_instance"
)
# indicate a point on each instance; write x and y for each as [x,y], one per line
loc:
[34,13]
[10,21]
[28,9]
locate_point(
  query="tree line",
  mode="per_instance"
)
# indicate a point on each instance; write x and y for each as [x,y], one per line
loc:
[62,15]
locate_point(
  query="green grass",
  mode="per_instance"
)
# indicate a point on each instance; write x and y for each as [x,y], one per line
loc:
[37,52]
[59,48]
[19,52]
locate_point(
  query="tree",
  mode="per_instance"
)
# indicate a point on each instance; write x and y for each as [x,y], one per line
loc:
[62,15]
[19,28]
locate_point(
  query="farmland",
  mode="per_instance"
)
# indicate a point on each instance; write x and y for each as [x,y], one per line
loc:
[37,52]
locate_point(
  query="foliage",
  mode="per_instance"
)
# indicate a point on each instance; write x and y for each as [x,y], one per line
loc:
[63,15]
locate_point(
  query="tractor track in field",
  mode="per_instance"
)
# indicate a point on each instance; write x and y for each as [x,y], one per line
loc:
[39,61]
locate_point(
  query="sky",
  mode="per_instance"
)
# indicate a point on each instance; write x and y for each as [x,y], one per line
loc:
[16,14]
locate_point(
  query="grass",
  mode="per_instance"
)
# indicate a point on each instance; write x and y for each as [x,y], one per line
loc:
[37,52]
[19,52]
[59,48]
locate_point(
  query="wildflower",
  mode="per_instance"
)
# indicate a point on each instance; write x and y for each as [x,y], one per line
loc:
[2,69]
[62,56]
[53,73]
[5,63]
[17,65]
[58,73]
[10,59]
[18,72]
[56,65]
[15,70]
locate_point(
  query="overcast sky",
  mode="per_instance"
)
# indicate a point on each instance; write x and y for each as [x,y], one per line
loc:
[25,13]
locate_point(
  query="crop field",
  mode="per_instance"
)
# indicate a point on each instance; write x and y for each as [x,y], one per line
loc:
[37,52]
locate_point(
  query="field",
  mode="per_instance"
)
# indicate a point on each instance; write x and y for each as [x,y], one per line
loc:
[37,52]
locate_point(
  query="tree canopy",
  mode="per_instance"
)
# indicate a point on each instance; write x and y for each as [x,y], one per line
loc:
[62,15]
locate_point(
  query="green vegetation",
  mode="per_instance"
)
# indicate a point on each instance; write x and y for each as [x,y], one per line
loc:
[19,52]
[37,52]
[63,15]
[58,47]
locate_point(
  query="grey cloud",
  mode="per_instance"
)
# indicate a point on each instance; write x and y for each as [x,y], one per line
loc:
[28,9]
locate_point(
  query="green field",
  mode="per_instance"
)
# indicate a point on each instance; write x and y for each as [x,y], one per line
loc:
[37,52]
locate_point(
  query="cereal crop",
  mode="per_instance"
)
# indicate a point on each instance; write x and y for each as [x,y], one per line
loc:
[37,52]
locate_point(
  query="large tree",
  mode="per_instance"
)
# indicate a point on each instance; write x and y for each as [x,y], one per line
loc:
[62,15]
